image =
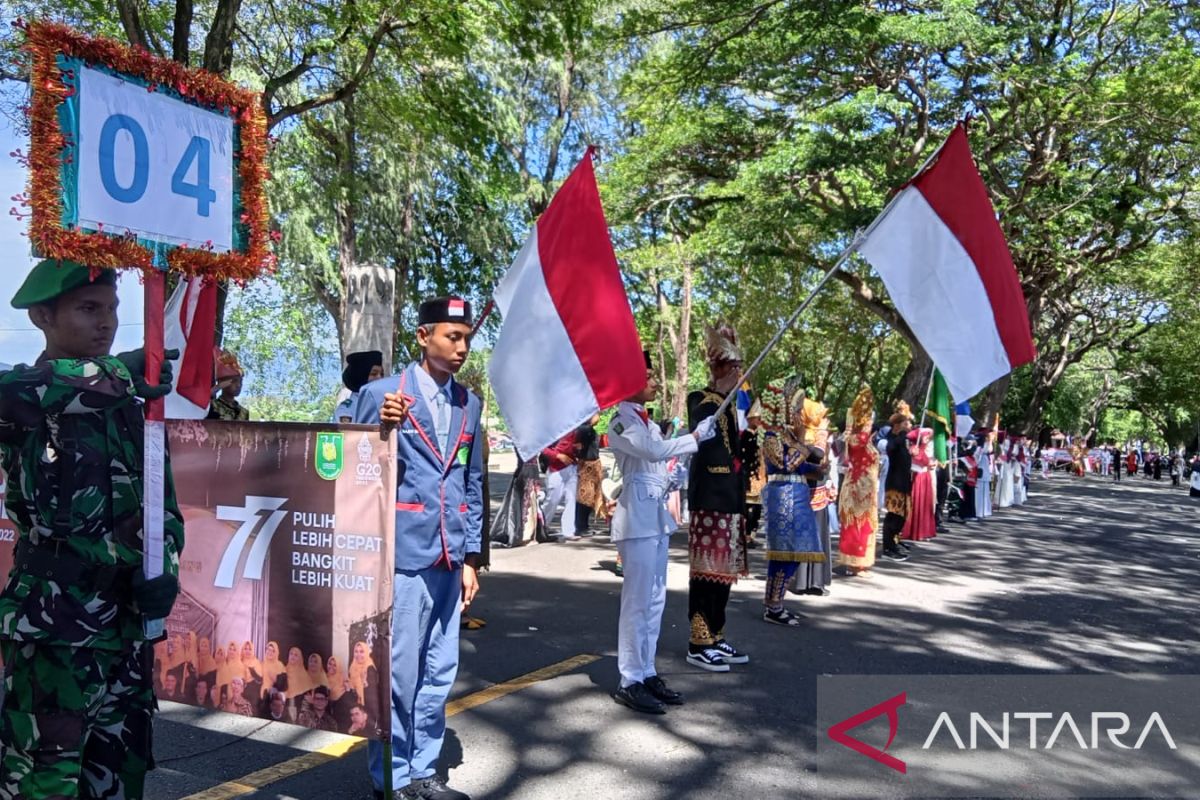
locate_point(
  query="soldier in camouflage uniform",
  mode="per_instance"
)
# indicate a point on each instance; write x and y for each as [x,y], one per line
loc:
[78,670]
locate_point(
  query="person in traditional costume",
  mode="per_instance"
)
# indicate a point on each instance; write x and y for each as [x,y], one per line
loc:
[225,405]
[589,499]
[969,476]
[791,525]
[814,576]
[716,504]
[1005,471]
[1077,453]
[1023,467]
[361,368]
[983,488]
[562,484]
[898,498]
[520,518]
[921,524]
[858,504]
[642,528]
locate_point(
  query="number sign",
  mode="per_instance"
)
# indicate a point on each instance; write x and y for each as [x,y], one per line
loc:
[153,165]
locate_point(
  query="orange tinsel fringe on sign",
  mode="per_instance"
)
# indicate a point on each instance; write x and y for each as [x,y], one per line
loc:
[46,41]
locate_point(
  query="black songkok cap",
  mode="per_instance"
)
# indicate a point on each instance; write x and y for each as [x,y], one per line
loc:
[358,368]
[646,355]
[444,309]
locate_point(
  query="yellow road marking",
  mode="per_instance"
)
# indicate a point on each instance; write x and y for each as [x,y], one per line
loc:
[496,691]
[331,752]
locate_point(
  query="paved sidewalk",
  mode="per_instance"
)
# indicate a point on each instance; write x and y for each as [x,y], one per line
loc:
[1089,577]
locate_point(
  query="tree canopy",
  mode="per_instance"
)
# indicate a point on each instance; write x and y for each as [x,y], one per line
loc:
[742,143]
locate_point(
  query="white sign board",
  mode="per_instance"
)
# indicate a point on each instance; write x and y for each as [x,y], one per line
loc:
[153,165]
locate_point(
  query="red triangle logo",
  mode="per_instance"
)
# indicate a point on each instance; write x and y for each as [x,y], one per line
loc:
[839,733]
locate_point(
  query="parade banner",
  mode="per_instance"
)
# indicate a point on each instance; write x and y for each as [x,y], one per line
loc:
[286,573]
[284,609]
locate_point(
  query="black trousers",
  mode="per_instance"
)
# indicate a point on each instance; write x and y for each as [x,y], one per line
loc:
[706,612]
[943,489]
[753,516]
[583,518]
[892,525]
[1116,470]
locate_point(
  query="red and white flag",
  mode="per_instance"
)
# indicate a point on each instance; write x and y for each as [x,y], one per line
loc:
[190,321]
[946,265]
[568,346]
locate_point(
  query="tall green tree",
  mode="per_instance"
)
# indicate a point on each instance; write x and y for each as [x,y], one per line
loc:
[789,122]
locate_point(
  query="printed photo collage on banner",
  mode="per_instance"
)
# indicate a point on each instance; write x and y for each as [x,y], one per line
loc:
[286,579]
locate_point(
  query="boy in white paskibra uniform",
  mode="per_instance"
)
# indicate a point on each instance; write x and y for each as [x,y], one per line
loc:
[641,528]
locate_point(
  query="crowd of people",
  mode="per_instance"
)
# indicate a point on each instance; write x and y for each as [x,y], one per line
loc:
[72,615]
[314,692]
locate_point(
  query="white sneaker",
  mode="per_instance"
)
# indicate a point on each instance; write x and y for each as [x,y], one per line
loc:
[708,659]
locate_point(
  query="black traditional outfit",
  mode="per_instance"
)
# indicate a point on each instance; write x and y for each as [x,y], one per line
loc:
[716,499]
[897,496]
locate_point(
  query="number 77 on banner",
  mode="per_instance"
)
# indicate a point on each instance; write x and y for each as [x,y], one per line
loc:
[138,162]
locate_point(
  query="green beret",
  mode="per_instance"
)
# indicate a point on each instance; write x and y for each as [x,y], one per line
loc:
[53,277]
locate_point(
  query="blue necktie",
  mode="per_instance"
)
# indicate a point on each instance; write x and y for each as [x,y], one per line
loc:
[443,420]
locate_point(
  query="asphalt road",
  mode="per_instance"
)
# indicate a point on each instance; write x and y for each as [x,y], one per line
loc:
[1088,577]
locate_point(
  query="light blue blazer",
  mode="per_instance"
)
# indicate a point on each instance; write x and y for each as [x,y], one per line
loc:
[439,498]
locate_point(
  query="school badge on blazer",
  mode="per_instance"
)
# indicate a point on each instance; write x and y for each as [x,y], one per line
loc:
[329,456]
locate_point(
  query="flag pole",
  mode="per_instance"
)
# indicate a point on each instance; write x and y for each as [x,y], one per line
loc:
[842,259]
[859,237]
[928,392]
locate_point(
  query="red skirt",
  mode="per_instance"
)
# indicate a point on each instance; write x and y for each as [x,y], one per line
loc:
[920,523]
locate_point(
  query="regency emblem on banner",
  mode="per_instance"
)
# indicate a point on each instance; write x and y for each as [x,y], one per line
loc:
[329,455]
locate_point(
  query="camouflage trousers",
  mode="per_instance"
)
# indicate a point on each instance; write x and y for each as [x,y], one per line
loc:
[75,722]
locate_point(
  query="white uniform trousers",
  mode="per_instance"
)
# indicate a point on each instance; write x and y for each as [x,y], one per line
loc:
[561,486]
[643,598]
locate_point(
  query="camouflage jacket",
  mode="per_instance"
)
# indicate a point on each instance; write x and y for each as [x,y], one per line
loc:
[72,429]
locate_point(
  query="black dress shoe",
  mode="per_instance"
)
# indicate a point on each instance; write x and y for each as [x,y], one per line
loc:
[638,698]
[399,794]
[658,687]
[433,788]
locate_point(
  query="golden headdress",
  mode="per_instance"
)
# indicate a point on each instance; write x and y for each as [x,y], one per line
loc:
[815,418]
[721,345]
[861,413]
[901,414]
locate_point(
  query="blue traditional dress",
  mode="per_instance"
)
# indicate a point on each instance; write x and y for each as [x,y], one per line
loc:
[792,534]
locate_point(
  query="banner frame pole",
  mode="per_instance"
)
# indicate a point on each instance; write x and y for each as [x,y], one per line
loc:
[154,441]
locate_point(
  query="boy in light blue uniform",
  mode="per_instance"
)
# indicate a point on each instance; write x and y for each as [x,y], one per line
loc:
[439,516]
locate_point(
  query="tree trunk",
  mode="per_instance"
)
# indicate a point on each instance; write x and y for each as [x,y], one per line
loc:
[1045,378]
[993,399]
[345,213]
[682,344]
[914,383]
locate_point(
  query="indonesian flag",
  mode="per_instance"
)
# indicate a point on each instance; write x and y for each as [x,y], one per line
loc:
[946,265]
[190,322]
[568,346]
